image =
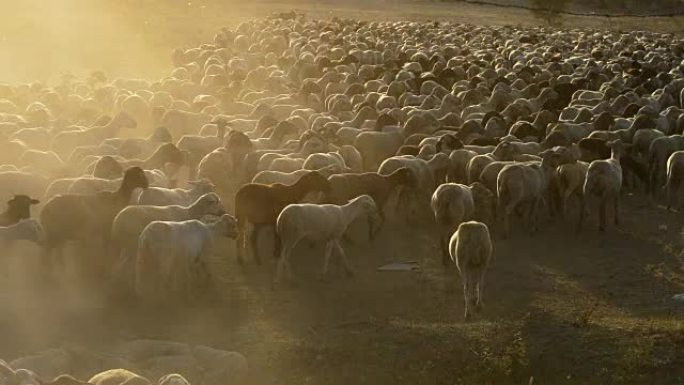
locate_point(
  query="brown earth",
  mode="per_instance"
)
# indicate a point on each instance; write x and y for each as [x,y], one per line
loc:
[561,308]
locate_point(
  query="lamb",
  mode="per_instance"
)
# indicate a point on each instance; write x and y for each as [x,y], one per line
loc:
[504,151]
[140,147]
[452,204]
[325,223]
[65,379]
[659,151]
[18,208]
[260,205]
[107,168]
[344,187]
[376,146]
[160,196]
[524,183]
[118,377]
[288,178]
[164,154]
[66,141]
[86,217]
[91,185]
[675,179]
[471,249]
[427,173]
[199,146]
[458,165]
[172,257]
[173,379]
[24,230]
[571,177]
[604,181]
[131,221]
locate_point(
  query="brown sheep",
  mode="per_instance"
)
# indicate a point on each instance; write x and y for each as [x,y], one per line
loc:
[86,217]
[344,187]
[261,204]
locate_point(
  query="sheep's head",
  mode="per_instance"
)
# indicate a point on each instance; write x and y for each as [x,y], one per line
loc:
[405,177]
[123,119]
[315,181]
[107,168]
[162,134]
[448,143]
[135,177]
[505,151]
[20,206]
[224,225]
[208,204]
[202,186]
[169,153]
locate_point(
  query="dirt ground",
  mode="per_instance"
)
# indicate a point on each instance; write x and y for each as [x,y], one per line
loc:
[561,308]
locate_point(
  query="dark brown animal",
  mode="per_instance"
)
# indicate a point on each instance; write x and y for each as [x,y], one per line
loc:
[261,204]
[18,208]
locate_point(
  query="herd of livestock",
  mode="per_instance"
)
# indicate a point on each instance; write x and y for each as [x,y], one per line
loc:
[307,126]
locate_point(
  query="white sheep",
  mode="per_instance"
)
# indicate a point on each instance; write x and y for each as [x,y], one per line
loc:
[570,179]
[172,256]
[325,223]
[131,221]
[452,204]
[524,183]
[25,230]
[118,377]
[160,196]
[471,250]
[675,179]
[604,181]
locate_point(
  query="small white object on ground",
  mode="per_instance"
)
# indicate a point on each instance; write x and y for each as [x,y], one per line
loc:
[400,266]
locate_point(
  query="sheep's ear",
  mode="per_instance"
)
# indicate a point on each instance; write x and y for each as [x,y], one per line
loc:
[34,201]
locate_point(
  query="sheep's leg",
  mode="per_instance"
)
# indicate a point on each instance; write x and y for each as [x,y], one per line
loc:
[255,243]
[532,216]
[466,284]
[343,256]
[507,212]
[241,242]
[480,287]
[277,244]
[616,209]
[326,259]
[444,244]
[283,263]
[564,203]
[602,214]
[582,200]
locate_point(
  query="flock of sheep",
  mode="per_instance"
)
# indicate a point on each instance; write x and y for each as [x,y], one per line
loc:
[309,127]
